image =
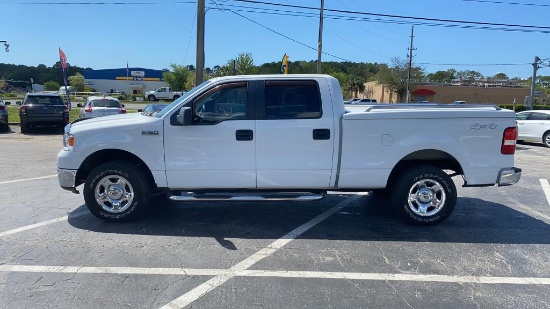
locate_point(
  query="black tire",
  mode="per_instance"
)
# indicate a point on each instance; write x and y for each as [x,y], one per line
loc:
[127,185]
[546,139]
[24,128]
[176,97]
[424,195]
[151,98]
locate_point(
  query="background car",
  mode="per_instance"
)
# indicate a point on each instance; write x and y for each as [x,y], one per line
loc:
[152,109]
[101,106]
[534,126]
[367,101]
[43,109]
[352,101]
[3,117]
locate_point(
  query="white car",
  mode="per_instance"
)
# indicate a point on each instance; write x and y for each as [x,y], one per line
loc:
[534,126]
[101,106]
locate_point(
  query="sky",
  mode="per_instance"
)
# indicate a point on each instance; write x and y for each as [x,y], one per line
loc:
[488,36]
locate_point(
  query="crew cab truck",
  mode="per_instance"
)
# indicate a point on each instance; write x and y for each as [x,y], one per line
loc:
[287,137]
[163,93]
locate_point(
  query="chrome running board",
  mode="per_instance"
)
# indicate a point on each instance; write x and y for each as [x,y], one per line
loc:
[248,196]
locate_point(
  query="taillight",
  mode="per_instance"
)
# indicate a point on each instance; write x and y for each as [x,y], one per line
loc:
[2,107]
[509,140]
[88,109]
[122,110]
[23,110]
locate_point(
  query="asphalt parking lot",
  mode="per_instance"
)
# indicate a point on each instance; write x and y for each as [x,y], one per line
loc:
[345,251]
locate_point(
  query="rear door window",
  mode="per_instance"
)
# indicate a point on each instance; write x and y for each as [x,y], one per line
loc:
[292,100]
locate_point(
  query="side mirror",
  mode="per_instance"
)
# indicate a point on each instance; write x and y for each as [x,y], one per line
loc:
[18,103]
[184,117]
[79,105]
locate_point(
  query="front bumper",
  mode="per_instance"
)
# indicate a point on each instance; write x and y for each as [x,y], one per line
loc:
[67,179]
[508,176]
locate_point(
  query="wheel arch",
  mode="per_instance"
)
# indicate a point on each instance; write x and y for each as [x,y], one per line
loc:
[432,157]
[109,155]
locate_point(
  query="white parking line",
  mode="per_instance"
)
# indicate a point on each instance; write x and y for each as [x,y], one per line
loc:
[275,274]
[213,283]
[546,189]
[20,180]
[33,226]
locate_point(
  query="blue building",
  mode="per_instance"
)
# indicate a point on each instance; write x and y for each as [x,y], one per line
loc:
[127,80]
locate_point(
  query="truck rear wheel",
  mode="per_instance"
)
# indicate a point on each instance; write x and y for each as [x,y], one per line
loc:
[116,191]
[424,195]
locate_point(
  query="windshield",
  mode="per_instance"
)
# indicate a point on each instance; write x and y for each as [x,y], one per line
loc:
[183,98]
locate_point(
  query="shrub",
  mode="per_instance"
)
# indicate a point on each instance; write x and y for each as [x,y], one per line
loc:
[135,96]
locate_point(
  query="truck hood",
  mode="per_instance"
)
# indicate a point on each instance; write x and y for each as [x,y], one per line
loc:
[114,121]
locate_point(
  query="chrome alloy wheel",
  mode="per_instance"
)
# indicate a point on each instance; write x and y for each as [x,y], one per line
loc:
[114,193]
[426,197]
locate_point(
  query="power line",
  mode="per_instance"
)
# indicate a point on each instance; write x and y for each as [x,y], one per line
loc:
[474,65]
[508,3]
[425,19]
[287,37]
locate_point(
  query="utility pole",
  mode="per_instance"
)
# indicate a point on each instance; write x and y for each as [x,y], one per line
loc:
[410,56]
[320,44]
[199,72]
[532,95]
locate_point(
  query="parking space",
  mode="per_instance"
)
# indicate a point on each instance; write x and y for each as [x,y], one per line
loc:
[345,251]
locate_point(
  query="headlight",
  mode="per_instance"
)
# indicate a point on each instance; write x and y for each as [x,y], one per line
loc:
[68,138]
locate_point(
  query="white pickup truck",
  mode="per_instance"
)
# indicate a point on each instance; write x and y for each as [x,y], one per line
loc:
[287,137]
[163,93]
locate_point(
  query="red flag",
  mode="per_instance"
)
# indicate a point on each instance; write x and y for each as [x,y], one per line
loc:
[63,59]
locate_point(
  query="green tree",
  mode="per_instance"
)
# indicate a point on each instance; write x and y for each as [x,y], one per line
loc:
[245,66]
[354,86]
[501,76]
[468,74]
[442,76]
[51,86]
[396,76]
[177,78]
[77,81]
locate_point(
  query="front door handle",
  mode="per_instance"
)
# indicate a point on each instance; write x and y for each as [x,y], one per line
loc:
[244,135]
[321,134]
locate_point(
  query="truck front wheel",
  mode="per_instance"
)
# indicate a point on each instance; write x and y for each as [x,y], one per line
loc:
[116,191]
[176,97]
[151,98]
[424,195]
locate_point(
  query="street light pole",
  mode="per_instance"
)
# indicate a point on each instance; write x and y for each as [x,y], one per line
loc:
[532,94]
[6,46]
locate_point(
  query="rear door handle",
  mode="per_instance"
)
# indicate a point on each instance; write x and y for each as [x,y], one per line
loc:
[321,134]
[244,135]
